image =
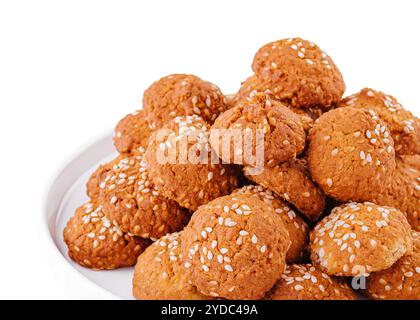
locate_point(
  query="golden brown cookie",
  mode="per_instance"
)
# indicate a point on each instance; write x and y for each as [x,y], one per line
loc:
[95,179]
[283,134]
[360,238]
[296,227]
[235,247]
[158,274]
[403,126]
[182,95]
[404,191]
[299,72]
[184,168]
[130,198]
[401,281]
[132,132]
[305,282]
[253,85]
[351,155]
[292,182]
[94,241]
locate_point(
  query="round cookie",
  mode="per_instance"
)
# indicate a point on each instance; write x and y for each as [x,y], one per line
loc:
[234,247]
[130,198]
[182,95]
[132,132]
[303,74]
[404,191]
[292,182]
[360,238]
[183,166]
[95,179]
[401,281]
[94,241]
[284,137]
[305,282]
[404,127]
[253,85]
[158,274]
[351,154]
[296,227]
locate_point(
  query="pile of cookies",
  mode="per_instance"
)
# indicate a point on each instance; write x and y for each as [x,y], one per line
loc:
[336,204]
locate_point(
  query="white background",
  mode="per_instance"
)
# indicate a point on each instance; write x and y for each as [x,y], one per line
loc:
[70,69]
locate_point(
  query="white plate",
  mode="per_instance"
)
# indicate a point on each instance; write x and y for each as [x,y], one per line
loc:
[67,192]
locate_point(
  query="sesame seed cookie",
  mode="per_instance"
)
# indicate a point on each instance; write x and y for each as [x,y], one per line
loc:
[292,182]
[159,276]
[360,238]
[403,126]
[301,74]
[183,166]
[404,191]
[95,179]
[296,227]
[305,282]
[401,281]
[94,241]
[235,247]
[284,137]
[253,85]
[130,198]
[132,132]
[182,95]
[351,154]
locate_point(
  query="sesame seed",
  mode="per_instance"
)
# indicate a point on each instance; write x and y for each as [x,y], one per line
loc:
[204,234]
[329,182]
[228,267]
[243,233]
[223,251]
[209,176]
[263,248]
[254,239]
[298,287]
[205,268]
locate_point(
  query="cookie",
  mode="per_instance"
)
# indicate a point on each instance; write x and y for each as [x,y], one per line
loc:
[183,166]
[253,85]
[158,274]
[95,179]
[351,154]
[404,191]
[132,132]
[130,198]
[283,134]
[235,247]
[296,227]
[404,127]
[360,238]
[305,282]
[300,73]
[182,95]
[94,241]
[401,281]
[292,182]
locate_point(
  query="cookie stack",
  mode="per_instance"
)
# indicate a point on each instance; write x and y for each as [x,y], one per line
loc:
[336,199]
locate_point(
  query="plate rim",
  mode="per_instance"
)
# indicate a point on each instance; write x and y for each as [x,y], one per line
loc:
[49,210]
